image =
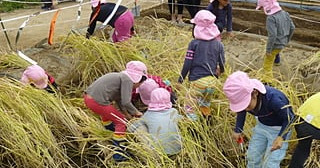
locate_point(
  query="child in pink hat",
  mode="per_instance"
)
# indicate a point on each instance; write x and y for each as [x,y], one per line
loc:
[161,122]
[204,62]
[122,21]
[280,30]
[272,111]
[38,77]
[116,87]
[143,93]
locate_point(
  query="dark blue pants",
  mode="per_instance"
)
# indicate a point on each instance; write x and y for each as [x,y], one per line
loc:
[302,151]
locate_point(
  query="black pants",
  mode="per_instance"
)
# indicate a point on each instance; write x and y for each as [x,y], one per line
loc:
[220,26]
[47,5]
[302,151]
[193,7]
[172,6]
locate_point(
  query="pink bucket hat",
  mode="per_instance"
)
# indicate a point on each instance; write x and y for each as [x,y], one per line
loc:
[160,100]
[238,88]
[135,70]
[145,90]
[205,29]
[36,75]
[269,6]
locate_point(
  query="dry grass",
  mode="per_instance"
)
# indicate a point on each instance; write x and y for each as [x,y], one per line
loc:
[43,130]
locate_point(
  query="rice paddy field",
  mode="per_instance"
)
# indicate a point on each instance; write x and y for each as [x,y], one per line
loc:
[38,129]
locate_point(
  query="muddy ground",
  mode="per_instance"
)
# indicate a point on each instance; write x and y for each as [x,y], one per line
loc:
[246,19]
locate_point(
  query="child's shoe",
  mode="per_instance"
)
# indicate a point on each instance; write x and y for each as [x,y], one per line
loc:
[205,110]
[181,23]
[277,60]
[108,125]
[121,151]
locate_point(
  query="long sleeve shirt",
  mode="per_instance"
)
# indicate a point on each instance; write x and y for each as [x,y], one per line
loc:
[202,59]
[280,30]
[105,11]
[223,16]
[310,110]
[163,127]
[274,111]
[113,87]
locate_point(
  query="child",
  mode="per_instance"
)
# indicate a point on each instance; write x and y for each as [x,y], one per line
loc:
[171,4]
[280,30]
[161,121]
[144,91]
[122,21]
[116,86]
[203,62]
[271,108]
[39,78]
[222,9]
[307,129]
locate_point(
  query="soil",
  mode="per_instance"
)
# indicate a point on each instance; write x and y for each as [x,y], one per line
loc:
[244,51]
[246,19]
[37,29]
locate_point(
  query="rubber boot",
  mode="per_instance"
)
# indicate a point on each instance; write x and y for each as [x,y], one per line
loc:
[121,151]
[267,68]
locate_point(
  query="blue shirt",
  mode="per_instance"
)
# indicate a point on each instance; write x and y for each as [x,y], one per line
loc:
[223,16]
[163,127]
[202,59]
[274,111]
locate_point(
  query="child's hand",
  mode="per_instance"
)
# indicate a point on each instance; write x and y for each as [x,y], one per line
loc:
[230,34]
[178,86]
[277,143]
[127,115]
[218,71]
[138,114]
[236,136]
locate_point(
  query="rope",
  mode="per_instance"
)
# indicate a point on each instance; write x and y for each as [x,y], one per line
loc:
[28,2]
[6,35]
[23,25]
[46,24]
[111,15]
[308,20]
[28,59]
[45,12]
[72,6]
